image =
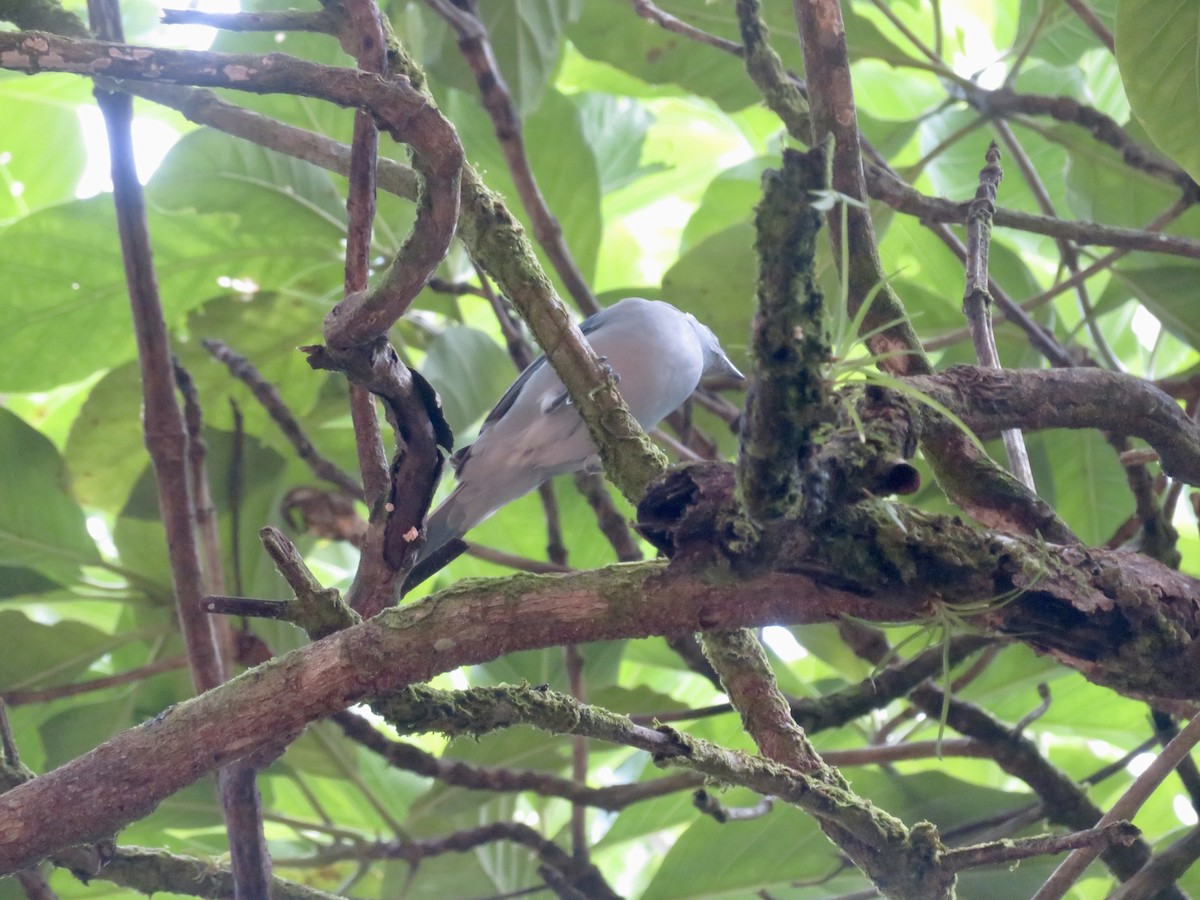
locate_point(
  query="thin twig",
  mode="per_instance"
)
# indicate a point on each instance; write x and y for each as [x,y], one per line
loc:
[707,803]
[324,21]
[1010,851]
[367,30]
[1125,808]
[977,299]
[129,676]
[1105,262]
[33,882]
[1067,250]
[486,778]
[581,874]
[668,22]
[579,754]
[476,49]
[236,480]
[266,394]
[512,561]
[1161,872]
[1089,18]
[209,646]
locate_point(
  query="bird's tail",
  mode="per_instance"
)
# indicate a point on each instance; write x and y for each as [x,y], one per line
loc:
[443,525]
[467,505]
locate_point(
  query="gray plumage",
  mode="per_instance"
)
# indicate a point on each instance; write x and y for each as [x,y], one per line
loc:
[659,355]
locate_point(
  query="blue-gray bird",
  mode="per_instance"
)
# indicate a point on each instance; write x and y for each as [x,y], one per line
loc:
[659,355]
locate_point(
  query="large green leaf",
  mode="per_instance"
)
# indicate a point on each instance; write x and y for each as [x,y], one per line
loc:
[1056,34]
[615,128]
[41,527]
[879,93]
[926,274]
[39,112]
[716,280]
[141,540]
[81,727]
[1101,187]
[954,172]
[16,581]
[38,655]
[728,200]
[208,172]
[1158,50]
[105,452]
[714,860]
[196,257]
[497,868]
[1167,290]
[470,372]
[1085,482]
[610,31]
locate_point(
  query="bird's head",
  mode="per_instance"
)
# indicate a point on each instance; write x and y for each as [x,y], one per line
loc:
[716,363]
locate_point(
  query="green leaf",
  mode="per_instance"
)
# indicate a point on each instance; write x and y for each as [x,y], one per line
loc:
[610,31]
[41,527]
[443,808]
[196,257]
[562,162]
[712,860]
[174,822]
[600,661]
[141,541]
[81,728]
[1101,187]
[207,172]
[954,172]
[651,816]
[104,453]
[18,582]
[926,274]
[879,93]
[715,280]
[1059,35]
[728,200]
[615,128]
[1082,477]
[497,868]
[1167,290]
[1158,50]
[470,372]
[39,112]
[267,332]
[37,655]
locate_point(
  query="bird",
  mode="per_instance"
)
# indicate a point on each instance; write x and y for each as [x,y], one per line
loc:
[658,354]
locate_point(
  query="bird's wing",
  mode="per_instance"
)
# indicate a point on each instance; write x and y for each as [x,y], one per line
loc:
[587,326]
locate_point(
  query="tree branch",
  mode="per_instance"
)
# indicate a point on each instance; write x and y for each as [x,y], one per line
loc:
[989,401]
[1070,607]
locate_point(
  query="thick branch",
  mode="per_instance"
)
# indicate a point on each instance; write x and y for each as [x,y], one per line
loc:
[887,188]
[1072,606]
[788,396]
[989,401]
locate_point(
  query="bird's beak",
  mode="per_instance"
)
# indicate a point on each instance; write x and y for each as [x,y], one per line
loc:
[730,370]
